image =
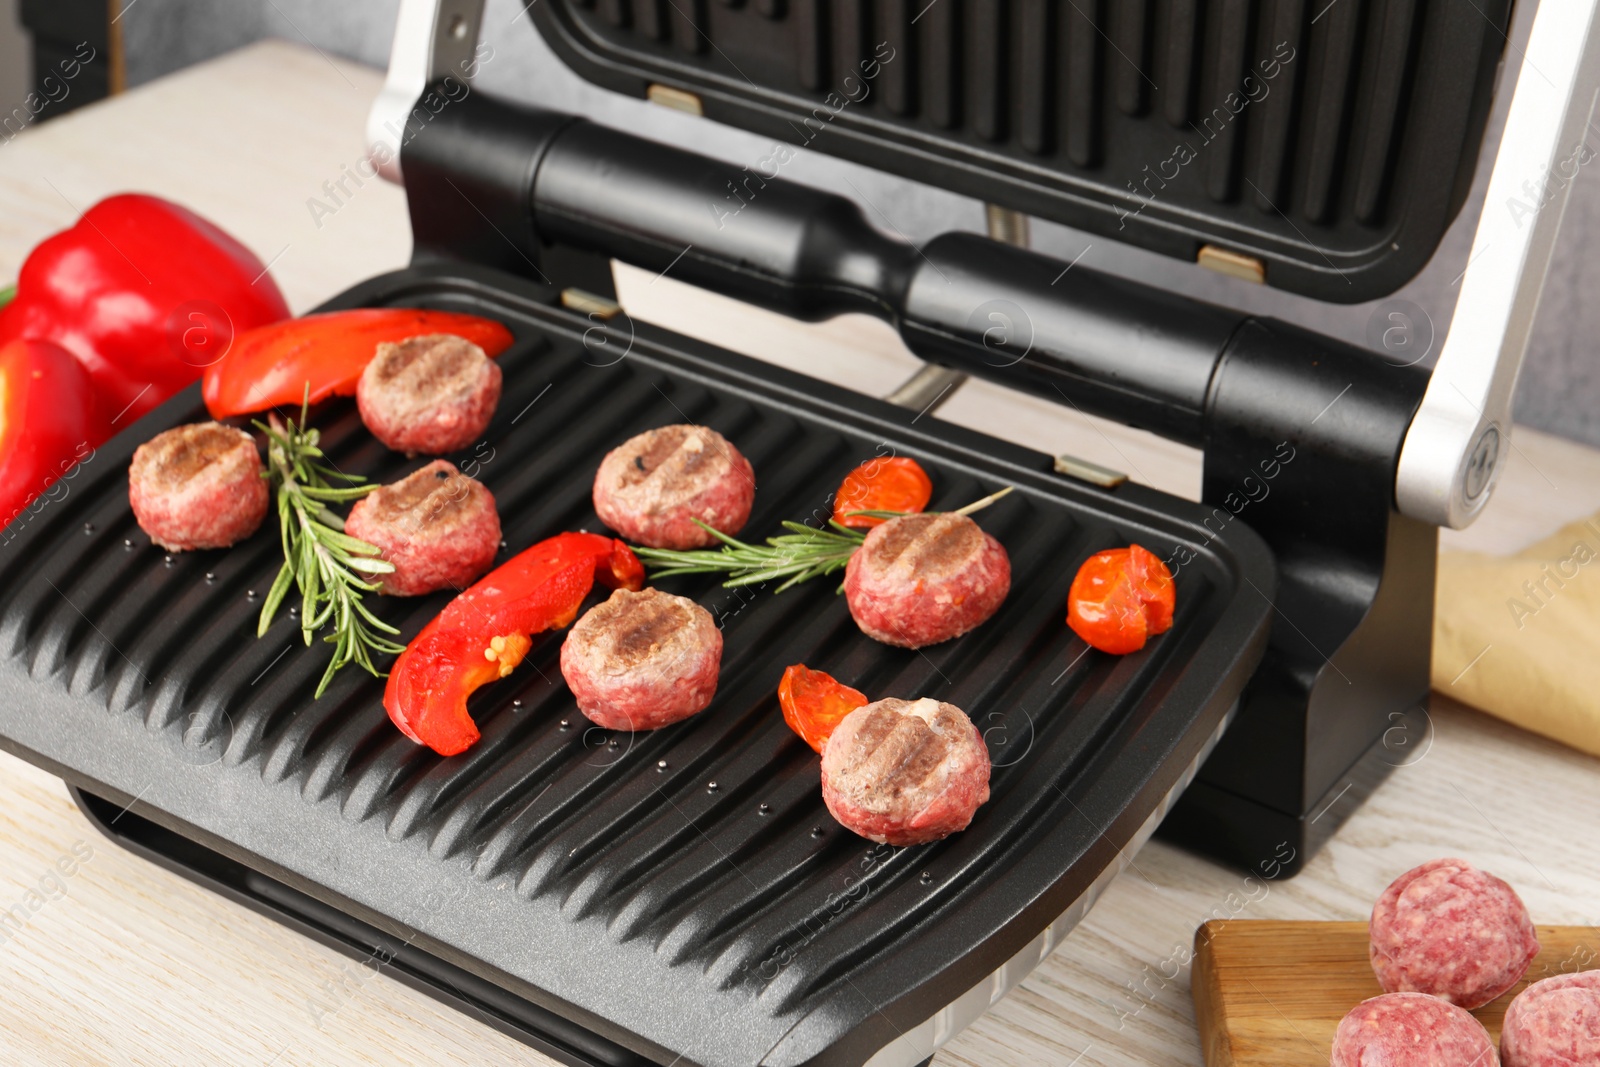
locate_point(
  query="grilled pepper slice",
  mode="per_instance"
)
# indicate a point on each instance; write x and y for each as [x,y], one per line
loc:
[1120,598]
[814,703]
[483,634]
[272,365]
[893,483]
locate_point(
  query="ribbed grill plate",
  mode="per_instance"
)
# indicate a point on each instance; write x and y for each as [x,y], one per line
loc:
[597,873]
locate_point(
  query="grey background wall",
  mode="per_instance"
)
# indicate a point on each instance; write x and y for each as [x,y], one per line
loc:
[16,69]
[1560,390]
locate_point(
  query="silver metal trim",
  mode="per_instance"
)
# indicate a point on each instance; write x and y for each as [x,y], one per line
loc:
[922,1041]
[1460,435]
[432,38]
[1085,471]
[928,389]
[1008,225]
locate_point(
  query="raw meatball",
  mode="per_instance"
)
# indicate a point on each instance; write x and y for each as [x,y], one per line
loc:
[922,579]
[1411,1030]
[642,660]
[1554,1023]
[429,395]
[904,772]
[1453,931]
[652,487]
[198,486]
[437,526]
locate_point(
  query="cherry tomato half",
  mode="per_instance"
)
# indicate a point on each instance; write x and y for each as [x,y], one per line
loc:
[891,483]
[1120,598]
[814,703]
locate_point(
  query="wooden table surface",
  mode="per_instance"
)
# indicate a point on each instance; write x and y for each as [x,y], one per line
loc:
[126,964]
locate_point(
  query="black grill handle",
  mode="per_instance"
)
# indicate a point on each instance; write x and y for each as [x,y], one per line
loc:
[788,247]
[1114,347]
[1106,345]
[1076,336]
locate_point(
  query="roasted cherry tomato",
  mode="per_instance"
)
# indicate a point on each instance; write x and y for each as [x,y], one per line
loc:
[1120,598]
[271,366]
[814,703]
[893,483]
[49,421]
[483,634]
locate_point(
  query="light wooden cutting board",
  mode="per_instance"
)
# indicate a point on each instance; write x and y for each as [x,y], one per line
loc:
[1271,994]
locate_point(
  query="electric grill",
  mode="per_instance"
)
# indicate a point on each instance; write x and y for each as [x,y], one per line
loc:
[682,896]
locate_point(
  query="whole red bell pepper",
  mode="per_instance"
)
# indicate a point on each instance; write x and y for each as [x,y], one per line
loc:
[483,633]
[49,422]
[144,293]
[274,365]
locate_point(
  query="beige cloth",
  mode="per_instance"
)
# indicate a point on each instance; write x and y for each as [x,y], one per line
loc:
[1519,636]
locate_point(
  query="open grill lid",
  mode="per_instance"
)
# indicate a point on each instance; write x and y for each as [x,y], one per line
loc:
[1330,143]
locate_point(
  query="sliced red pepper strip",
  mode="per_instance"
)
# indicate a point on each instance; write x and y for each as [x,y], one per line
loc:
[892,483]
[49,421]
[1120,598]
[484,633]
[272,365]
[814,703]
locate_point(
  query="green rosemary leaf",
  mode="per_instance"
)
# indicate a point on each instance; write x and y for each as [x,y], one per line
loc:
[280,587]
[875,514]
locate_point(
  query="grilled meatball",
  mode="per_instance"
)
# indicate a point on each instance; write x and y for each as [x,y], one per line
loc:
[1411,1030]
[651,487]
[904,772]
[1554,1023]
[922,579]
[437,526]
[198,486]
[642,660]
[430,394]
[1452,931]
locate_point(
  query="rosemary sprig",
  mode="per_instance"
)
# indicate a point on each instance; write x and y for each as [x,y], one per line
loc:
[805,552]
[329,567]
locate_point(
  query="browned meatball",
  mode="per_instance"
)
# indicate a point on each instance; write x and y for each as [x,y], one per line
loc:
[922,579]
[198,486]
[905,772]
[642,660]
[429,395]
[652,487]
[437,526]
